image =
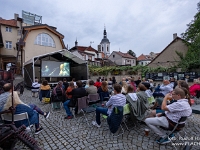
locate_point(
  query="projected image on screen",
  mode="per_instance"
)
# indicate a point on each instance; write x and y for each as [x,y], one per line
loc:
[55,69]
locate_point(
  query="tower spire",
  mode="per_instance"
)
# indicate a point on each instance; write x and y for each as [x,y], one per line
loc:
[104,33]
[76,43]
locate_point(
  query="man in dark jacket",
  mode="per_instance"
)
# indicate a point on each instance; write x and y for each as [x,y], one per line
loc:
[65,84]
[76,93]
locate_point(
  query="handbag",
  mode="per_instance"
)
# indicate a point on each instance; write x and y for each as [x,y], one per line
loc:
[46,100]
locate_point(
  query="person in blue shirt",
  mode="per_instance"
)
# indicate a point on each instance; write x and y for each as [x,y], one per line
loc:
[21,107]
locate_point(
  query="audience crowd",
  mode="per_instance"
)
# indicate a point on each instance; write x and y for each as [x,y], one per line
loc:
[162,105]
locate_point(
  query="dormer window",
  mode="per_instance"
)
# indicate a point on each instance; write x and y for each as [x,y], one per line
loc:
[113,56]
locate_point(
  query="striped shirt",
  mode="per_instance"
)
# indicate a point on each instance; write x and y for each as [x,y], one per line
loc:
[3,99]
[178,109]
[115,100]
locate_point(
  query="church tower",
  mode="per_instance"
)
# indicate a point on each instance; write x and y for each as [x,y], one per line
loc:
[105,44]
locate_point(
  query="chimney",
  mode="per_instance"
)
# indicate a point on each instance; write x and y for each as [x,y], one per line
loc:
[16,16]
[174,36]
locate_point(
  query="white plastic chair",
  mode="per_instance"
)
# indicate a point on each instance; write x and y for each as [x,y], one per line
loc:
[18,117]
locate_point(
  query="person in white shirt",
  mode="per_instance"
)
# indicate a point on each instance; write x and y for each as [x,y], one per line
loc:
[173,113]
[164,89]
[35,88]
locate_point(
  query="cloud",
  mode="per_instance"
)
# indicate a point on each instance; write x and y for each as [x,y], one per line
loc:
[140,25]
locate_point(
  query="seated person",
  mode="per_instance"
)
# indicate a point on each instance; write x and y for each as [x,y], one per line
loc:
[138,102]
[164,89]
[69,90]
[172,114]
[65,84]
[68,98]
[91,89]
[124,87]
[44,90]
[76,93]
[116,100]
[7,88]
[103,91]
[195,87]
[20,107]
[97,83]
[173,82]
[58,95]
[35,88]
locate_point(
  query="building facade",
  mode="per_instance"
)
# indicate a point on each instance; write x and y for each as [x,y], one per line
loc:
[168,57]
[122,59]
[20,42]
[146,59]
[10,34]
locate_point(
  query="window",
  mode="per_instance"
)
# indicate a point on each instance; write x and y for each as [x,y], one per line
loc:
[128,60]
[107,49]
[8,29]
[19,32]
[9,44]
[102,49]
[133,61]
[113,56]
[44,40]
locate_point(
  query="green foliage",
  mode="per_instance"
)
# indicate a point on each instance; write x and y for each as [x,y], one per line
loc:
[131,70]
[192,39]
[131,53]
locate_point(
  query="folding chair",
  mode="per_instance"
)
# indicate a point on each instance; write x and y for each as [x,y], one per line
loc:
[175,130]
[93,98]
[18,117]
[84,107]
[126,112]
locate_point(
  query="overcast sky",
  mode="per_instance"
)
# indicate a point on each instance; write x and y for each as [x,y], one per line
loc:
[143,26]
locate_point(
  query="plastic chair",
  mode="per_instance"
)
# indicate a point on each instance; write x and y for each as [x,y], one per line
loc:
[18,117]
[84,107]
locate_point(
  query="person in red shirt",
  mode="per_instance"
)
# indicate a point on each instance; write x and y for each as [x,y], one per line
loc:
[195,87]
[97,84]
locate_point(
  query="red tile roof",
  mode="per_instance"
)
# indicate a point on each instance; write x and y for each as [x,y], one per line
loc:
[125,55]
[11,22]
[83,48]
[146,57]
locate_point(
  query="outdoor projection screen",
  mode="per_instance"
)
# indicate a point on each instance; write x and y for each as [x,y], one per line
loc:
[55,69]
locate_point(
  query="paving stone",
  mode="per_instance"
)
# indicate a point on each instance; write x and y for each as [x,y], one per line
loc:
[64,134]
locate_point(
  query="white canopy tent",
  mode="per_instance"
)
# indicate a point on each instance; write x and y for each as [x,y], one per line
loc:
[78,64]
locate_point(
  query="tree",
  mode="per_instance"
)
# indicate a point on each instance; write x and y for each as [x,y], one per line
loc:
[192,39]
[131,53]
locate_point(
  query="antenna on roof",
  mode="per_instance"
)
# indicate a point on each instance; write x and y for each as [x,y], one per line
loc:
[91,42]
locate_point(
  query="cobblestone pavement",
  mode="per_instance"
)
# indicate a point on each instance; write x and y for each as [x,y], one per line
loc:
[75,134]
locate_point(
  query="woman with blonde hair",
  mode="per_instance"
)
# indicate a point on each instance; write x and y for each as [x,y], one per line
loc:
[124,87]
[21,107]
[44,90]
